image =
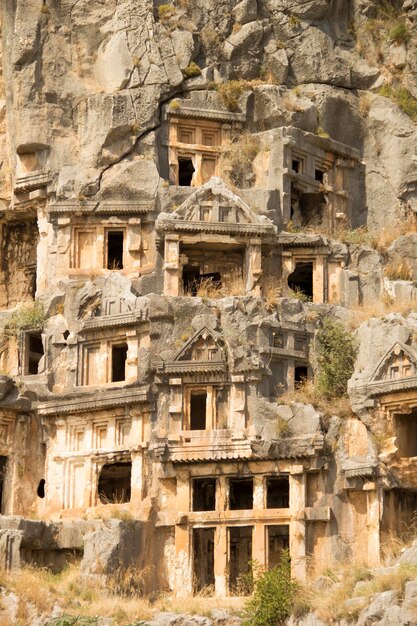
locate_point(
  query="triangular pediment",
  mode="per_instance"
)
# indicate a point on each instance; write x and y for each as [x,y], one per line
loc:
[203,347]
[215,203]
[399,363]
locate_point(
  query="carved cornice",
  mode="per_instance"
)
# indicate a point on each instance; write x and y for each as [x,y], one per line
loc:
[30,182]
[244,230]
[184,367]
[100,208]
[212,450]
[113,321]
[286,353]
[101,399]
[382,387]
[206,114]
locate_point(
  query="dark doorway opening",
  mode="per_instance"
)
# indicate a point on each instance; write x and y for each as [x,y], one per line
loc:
[198,403]
[240,494]
[301,280]
[278,540]
[3,471]
[312,208]
[405,428]
[185,171]
[399,514]
[300,375]
[240,542]
[204,494]
[193,280]
[203,560]
[35,352]
[114,483]
[296,166]
[277,492]
[115,250]
[41,488]
[118,363]
[319,175]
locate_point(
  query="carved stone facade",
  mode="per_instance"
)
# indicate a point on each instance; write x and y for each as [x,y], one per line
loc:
[174,324]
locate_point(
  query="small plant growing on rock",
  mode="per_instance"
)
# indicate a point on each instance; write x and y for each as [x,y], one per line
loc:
[166,12]
[298,294]
[399,270]
[211,40]
[399,33]
[191,70]
[322,133]
[174,105]
[27,316]
[403,98]
[294,21]
[273,595]
[336,354]
[230,92]
[237,158]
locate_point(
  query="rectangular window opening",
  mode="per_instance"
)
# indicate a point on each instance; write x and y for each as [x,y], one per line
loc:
[118,363]
[278,538]
[204,494]
[203,560]
[198,404]
[115,249]
[185,171]
[240,557]
[319,175]
[114,483]
[277,492]
[296,166]
[240,494]
[301,279]
[300,375]
[3,469]
[35,352]
[405,428]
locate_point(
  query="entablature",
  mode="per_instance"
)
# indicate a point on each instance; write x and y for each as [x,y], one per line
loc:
[100,208]
[120,320]
[100,399]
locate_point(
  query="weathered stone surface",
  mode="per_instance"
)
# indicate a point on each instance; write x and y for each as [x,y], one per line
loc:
[375,611]
[177,186]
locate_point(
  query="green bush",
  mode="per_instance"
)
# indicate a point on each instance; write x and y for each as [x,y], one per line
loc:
[404,99]
[336,353]
[191,70]
[166,12]
[27,316]
[273,596]
[230,92]
[71,620]
[399,33]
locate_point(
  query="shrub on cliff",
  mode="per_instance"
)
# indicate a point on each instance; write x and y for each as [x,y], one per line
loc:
[26,316]
[336,353]
[273,595]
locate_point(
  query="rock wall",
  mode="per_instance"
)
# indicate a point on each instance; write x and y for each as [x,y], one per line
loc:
[189,191]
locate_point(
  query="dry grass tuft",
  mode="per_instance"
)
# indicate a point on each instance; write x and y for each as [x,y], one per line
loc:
[236,159]
[272,294]
[337,586]
[199,604]
[379,308]
[399,269]
[388,235]
[364,104]
[307,393]
[82,597]
[213,289]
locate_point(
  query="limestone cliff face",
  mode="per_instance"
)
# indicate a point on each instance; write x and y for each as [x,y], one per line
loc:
[85,84]
[189,191]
